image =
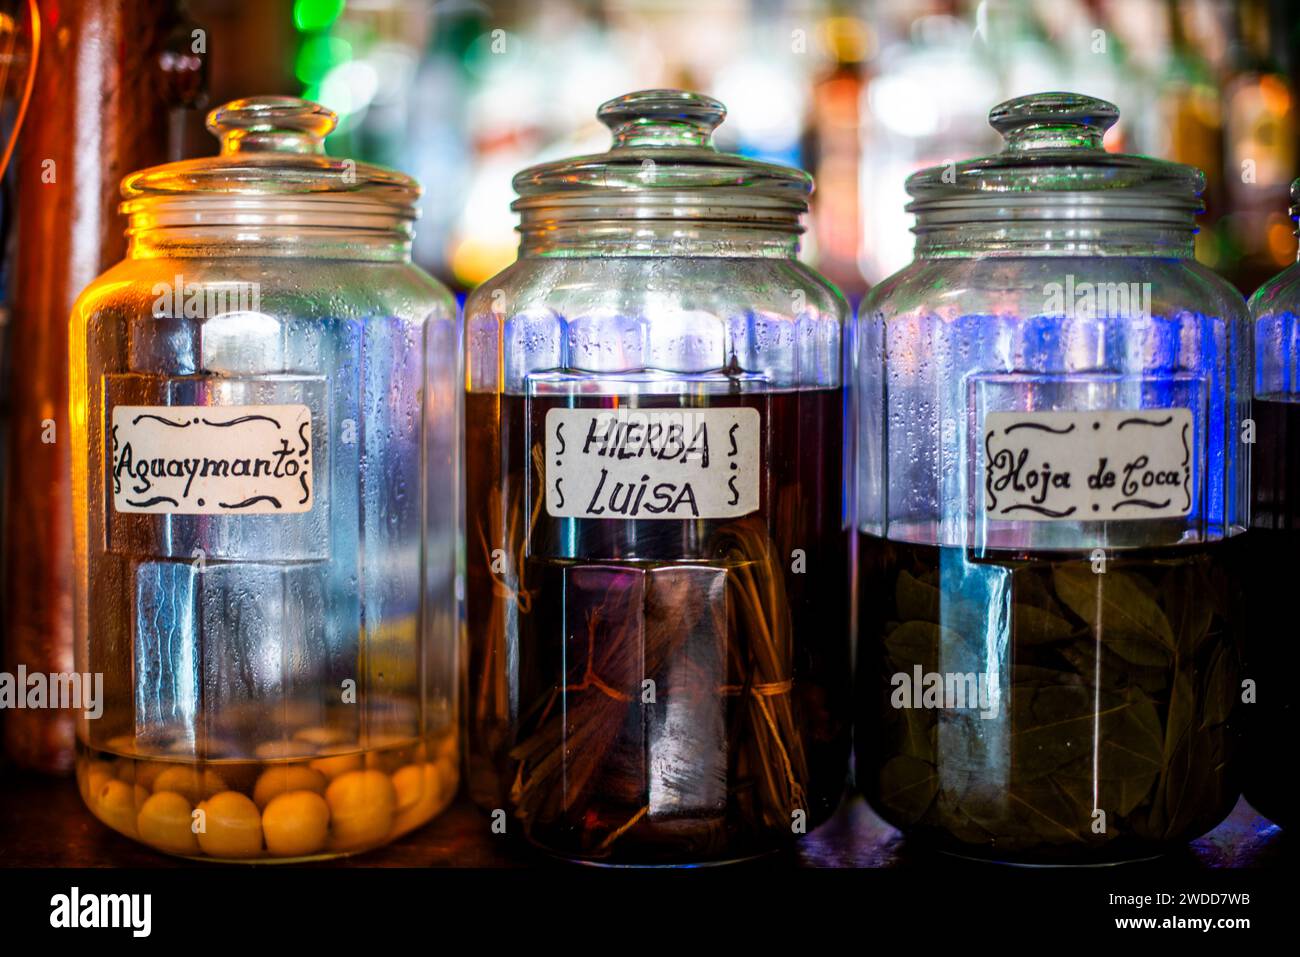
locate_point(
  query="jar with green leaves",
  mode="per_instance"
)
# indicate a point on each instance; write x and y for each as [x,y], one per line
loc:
[1051,486]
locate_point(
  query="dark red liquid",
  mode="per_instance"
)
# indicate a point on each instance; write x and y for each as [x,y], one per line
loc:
[739,741]
[1273,548]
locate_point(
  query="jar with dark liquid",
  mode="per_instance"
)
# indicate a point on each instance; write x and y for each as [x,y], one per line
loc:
[1051,487]
[658,572]
[1274,537]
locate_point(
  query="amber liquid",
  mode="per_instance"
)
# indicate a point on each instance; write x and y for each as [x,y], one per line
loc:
[1114,728]
[1274,543]
[366,794]
[659,691]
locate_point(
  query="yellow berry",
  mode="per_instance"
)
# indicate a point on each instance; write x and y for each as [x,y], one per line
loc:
[288,777]
[93,779]
[189,782]
[337,760]
[419,793]
[408,783]
[296,823]
[115,804]
[232,827]
[165,821]
[448,747]
[144,773]
[361,808]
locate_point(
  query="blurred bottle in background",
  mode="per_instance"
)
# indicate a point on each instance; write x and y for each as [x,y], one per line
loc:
[833,148]
[1260,139]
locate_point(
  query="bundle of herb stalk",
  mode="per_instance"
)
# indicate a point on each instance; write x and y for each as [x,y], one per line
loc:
[1115,734]
[671,733]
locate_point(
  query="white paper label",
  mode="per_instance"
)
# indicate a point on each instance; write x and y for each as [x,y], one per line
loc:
[1119,464]
[212,459]
[678,464]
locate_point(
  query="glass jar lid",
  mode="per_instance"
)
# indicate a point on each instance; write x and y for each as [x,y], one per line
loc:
[662,164]
[1053,166]
[272,171]
[1295,204]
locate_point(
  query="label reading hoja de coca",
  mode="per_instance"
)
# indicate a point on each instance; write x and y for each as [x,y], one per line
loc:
[1117,464]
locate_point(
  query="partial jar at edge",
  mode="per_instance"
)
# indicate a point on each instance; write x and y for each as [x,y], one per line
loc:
[264,397]
[658,565]
[1274,538]
[1051,487]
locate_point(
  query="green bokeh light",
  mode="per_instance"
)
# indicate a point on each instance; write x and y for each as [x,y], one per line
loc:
[318,55]
[316,14]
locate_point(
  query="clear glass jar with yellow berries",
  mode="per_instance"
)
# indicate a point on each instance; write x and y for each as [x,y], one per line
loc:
[264,413]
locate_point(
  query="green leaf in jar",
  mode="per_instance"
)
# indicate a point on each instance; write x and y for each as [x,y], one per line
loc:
[1188,594]
[1026,814]
[1034,626]
[1118,608]
[1051,726]
[1057,815]
[1029,676]
[917,732]
[957,792]
[1030,587]
[1057,725]
[1219,694]
[916,643]
[1181,714]
[915,600]
[1195,783]
[908,786]
[1110,670]
[1116,793]
[957,822]
[1179,757]
[1132,739]
[1128,754]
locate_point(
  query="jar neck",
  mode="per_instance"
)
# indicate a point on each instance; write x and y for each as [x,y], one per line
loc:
[1055,239]
[1056,226]
[225,224]
[295,242]
[540,237]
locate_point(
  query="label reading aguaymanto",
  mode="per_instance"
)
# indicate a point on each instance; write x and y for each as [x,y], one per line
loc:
[212,459]
[1118,464]
[680,464]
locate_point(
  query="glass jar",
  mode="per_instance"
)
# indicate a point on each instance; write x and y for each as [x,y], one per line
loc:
[264,403]
[657,566]
[1051,487]
[1274,536]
